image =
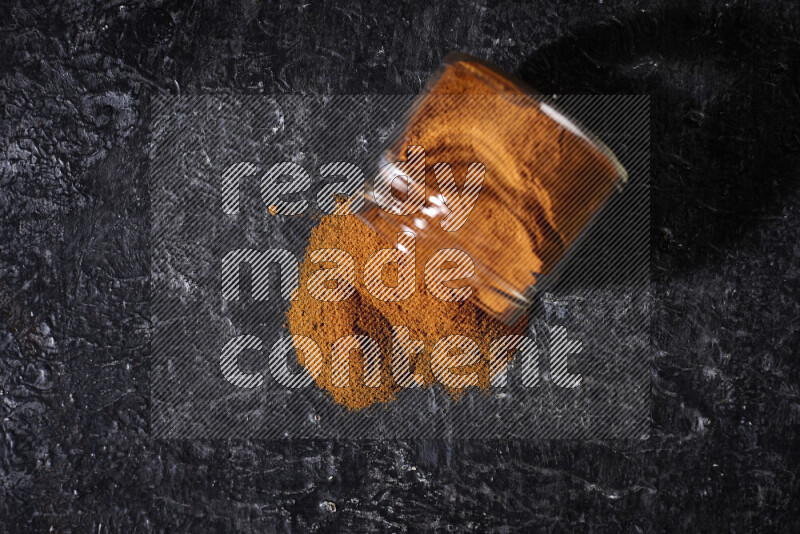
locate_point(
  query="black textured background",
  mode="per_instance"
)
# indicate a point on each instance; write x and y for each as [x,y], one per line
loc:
[75,80]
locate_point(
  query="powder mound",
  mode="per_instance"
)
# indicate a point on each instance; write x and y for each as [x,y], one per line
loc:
[427,318]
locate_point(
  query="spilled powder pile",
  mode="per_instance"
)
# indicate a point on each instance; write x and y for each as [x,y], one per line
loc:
[427,318]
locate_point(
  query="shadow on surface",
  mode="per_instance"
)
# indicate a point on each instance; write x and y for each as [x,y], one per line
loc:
[725,133]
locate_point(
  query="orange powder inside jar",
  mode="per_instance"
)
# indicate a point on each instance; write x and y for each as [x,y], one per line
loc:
[544,177]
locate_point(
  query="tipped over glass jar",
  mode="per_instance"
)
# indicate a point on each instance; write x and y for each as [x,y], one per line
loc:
[483,165]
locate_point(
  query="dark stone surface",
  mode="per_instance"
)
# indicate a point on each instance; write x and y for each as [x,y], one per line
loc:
[75,79]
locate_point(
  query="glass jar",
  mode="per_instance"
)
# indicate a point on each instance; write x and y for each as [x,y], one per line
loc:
[482,164]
